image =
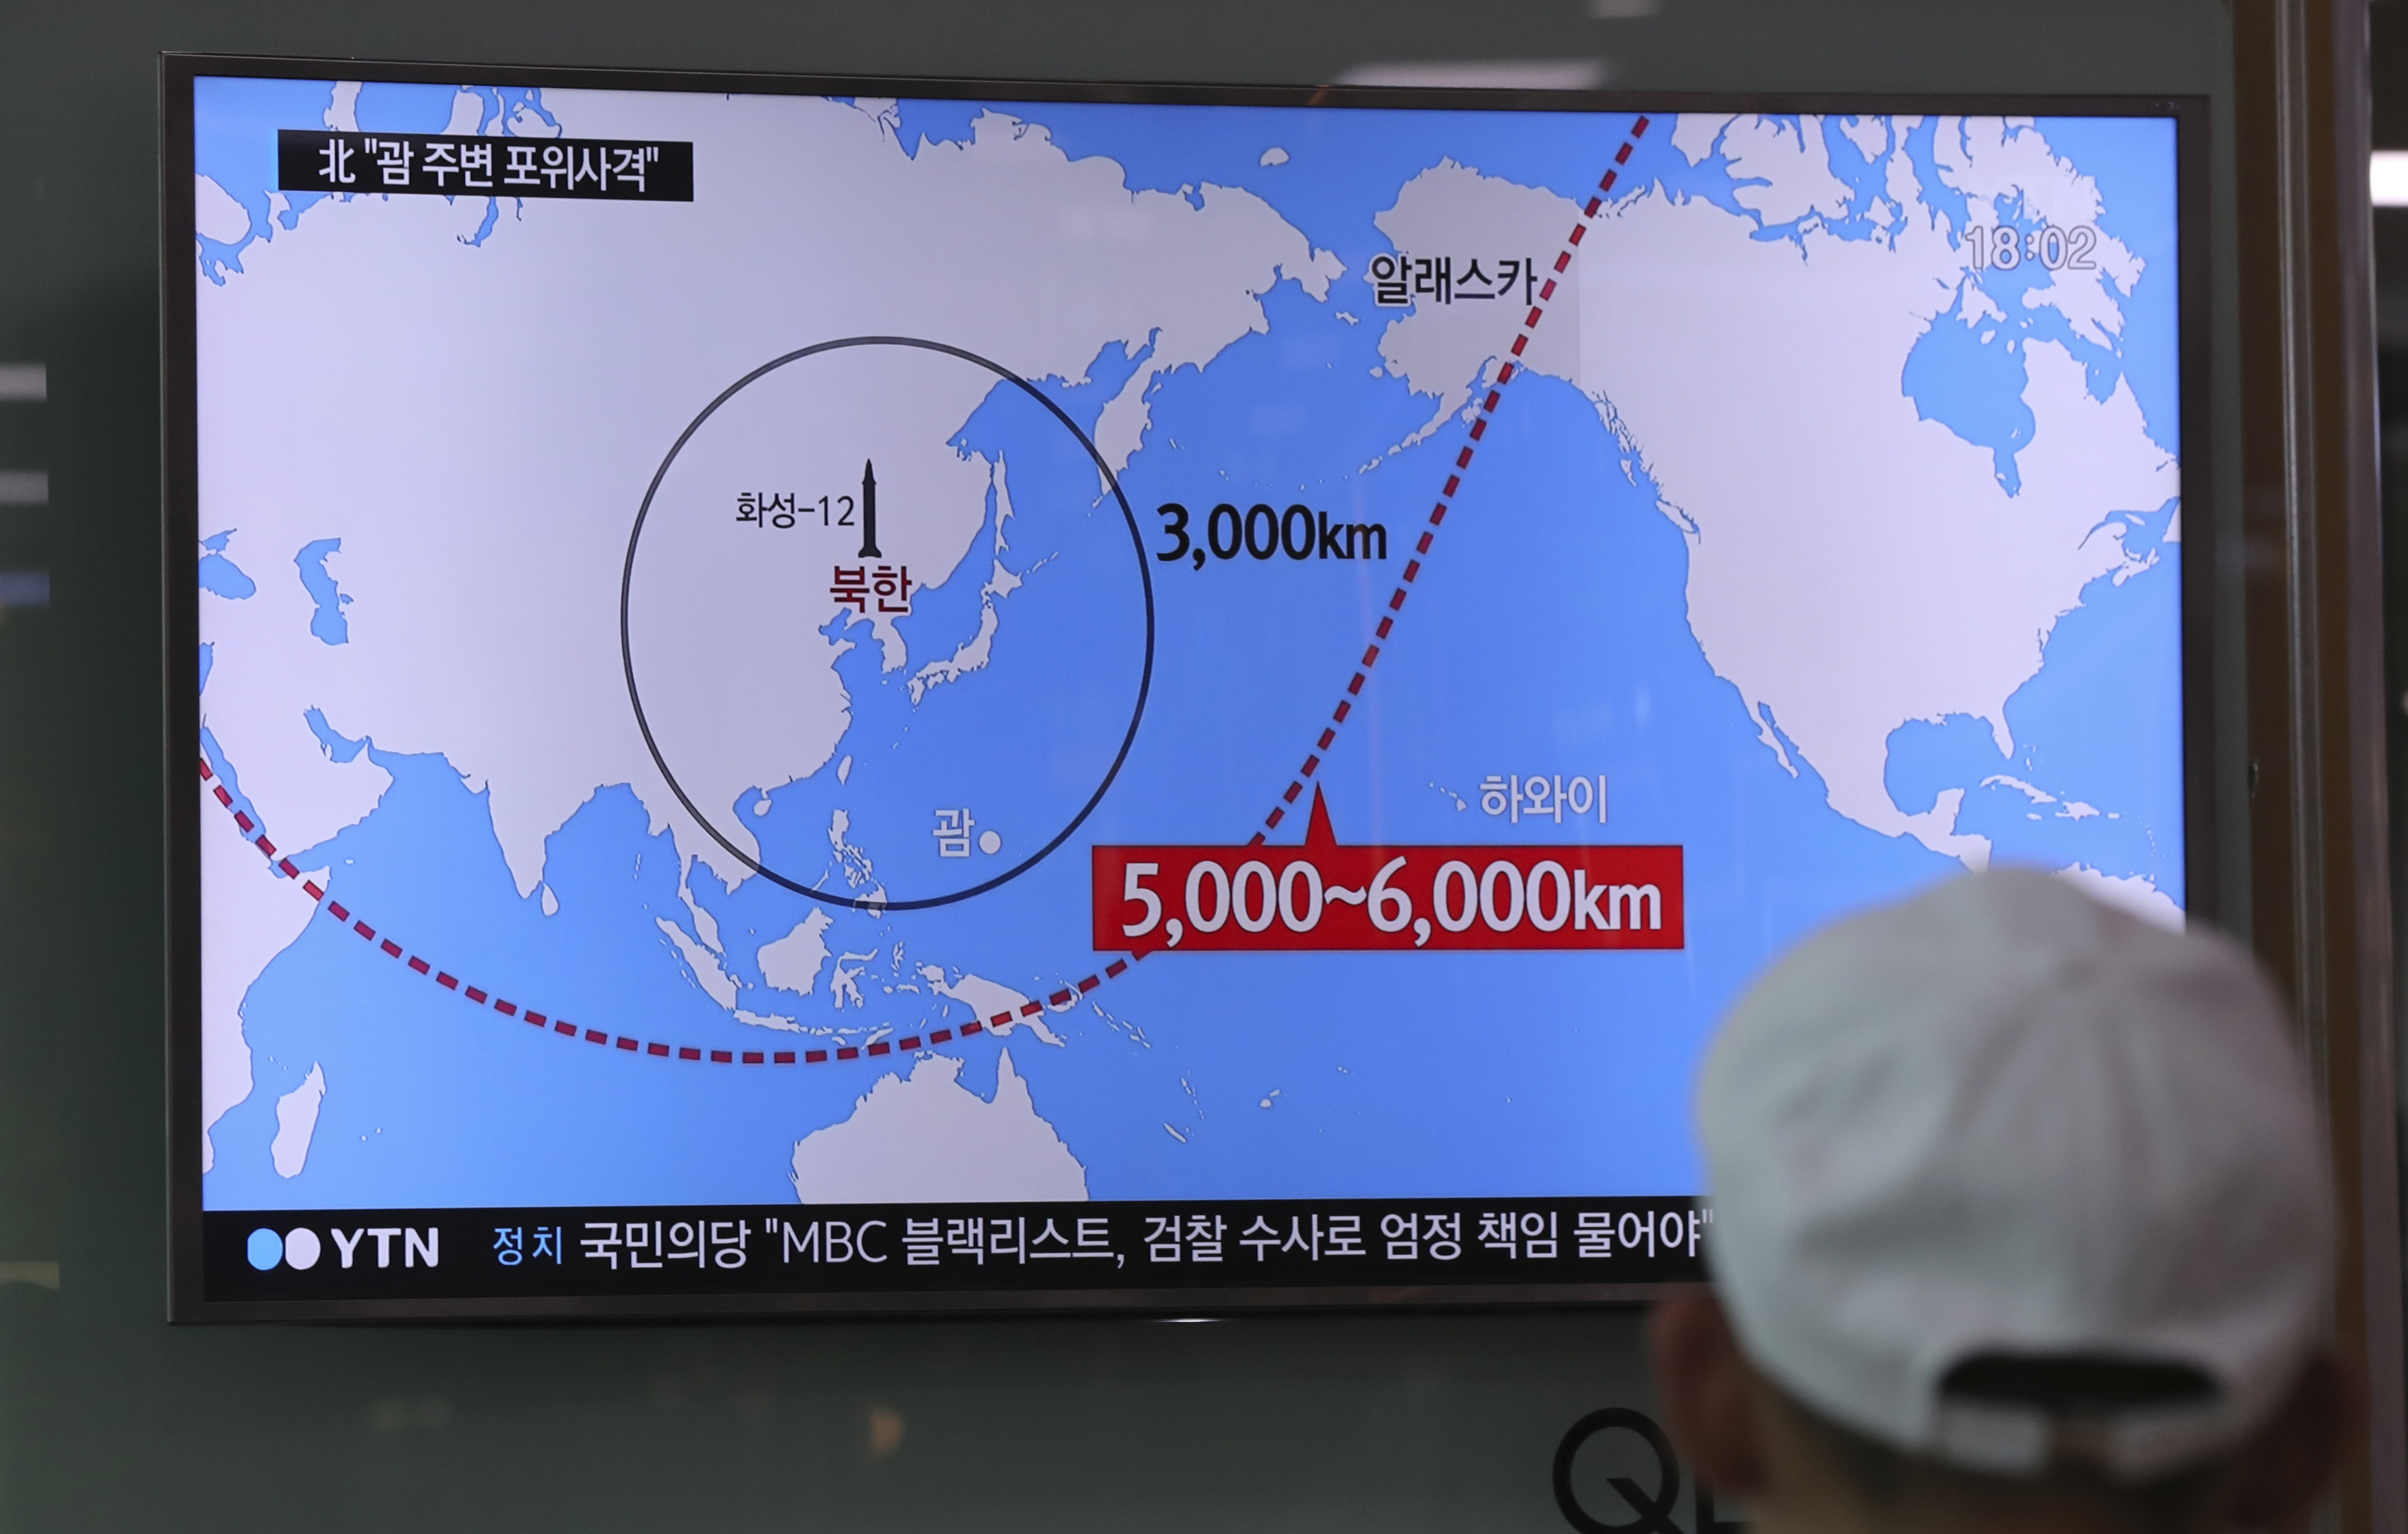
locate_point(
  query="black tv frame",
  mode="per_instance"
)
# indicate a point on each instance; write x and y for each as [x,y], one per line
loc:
[180,529]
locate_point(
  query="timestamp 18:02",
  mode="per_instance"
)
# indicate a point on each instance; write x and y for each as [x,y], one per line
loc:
[2004,248]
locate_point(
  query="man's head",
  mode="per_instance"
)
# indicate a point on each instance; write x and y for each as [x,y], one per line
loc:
[2016,1199]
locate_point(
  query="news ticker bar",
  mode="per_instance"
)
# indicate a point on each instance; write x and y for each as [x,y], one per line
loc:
[480,1254]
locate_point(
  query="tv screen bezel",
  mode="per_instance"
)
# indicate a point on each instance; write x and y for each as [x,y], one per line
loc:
[180,515]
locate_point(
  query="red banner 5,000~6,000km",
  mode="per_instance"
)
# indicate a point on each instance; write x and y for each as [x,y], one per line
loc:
[1325,896]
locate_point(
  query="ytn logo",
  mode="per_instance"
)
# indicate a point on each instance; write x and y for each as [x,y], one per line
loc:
[301,1249]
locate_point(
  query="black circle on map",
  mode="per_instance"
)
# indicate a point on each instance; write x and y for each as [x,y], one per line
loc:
[1145,584]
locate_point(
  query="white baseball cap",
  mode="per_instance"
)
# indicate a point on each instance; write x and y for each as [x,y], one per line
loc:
[2004,1177]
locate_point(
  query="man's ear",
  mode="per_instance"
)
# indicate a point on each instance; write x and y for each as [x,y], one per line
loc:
[1709,1392]
[2286,1465]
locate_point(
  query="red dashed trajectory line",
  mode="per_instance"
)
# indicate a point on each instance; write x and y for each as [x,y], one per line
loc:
[1454,483]
[562,1029]
[596,1037]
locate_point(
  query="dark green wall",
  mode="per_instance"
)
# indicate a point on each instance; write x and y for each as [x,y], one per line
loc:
[111,1420]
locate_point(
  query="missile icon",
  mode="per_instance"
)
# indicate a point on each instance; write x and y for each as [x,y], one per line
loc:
[868,512]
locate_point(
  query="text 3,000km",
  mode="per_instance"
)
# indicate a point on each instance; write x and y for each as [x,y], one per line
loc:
[1262,532]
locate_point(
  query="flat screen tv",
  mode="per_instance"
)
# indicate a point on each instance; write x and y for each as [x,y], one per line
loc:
[811,694]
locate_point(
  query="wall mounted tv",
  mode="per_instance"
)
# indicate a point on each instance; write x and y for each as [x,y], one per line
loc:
[812,694]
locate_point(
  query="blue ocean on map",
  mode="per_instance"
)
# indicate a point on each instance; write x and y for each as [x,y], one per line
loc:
[219,575]
[1547,636]
[327,623]
[235,123]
